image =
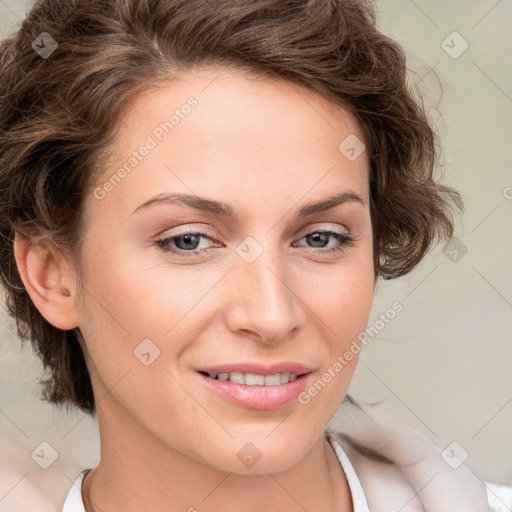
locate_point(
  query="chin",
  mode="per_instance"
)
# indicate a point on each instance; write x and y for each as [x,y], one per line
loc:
[258,453]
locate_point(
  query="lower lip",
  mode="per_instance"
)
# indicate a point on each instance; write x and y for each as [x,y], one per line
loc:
[258,397]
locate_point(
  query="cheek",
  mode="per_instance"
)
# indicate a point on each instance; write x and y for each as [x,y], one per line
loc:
[341,296]
[350,305]
[128,301]
[344,302]
[346,312]
[136,296]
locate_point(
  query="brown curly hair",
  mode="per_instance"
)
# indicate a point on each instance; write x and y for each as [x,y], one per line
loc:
[58,116]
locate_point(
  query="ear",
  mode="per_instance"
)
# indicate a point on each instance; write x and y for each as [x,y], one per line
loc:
[49,281]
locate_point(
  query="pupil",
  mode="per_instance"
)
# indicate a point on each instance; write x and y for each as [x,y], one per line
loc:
[318,237]
[187,238]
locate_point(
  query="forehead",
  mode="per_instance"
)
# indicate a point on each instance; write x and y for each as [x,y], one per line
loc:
[239,98]
[223,133]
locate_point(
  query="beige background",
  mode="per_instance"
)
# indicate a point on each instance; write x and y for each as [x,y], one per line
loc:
[443,364]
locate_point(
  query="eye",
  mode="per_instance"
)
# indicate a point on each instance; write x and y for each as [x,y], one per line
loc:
[320,237]
[184,244]
[187,243]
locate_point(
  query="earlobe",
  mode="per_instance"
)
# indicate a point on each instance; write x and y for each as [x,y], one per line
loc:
[48,281]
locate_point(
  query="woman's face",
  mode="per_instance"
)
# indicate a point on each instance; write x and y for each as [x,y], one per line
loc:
[262,286]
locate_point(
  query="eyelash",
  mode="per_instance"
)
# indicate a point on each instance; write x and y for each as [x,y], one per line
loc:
[345,239]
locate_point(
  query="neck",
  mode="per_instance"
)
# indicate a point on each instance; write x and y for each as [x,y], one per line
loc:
[139,472]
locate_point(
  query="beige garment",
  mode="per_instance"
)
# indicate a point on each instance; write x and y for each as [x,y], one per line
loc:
[419,479]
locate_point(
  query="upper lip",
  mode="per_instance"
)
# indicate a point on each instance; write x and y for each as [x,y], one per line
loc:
[258,368]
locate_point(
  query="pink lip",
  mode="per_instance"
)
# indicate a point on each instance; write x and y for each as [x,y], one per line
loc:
[258,397]
[260,369]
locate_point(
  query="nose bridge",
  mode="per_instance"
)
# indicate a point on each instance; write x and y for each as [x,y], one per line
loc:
[265,303]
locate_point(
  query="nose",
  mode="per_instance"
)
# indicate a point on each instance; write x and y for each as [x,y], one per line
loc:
[263,302]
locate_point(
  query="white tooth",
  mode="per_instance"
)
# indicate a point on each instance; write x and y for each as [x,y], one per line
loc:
[211,375]
[252,379]
[272,380]
[285,378]
[237,378]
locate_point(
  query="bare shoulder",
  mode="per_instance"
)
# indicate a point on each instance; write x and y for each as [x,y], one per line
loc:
[385,486]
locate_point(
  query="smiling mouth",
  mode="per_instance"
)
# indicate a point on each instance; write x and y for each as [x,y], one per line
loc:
[254,379]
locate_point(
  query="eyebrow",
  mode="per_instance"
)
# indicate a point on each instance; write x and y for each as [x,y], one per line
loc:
[226,210]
